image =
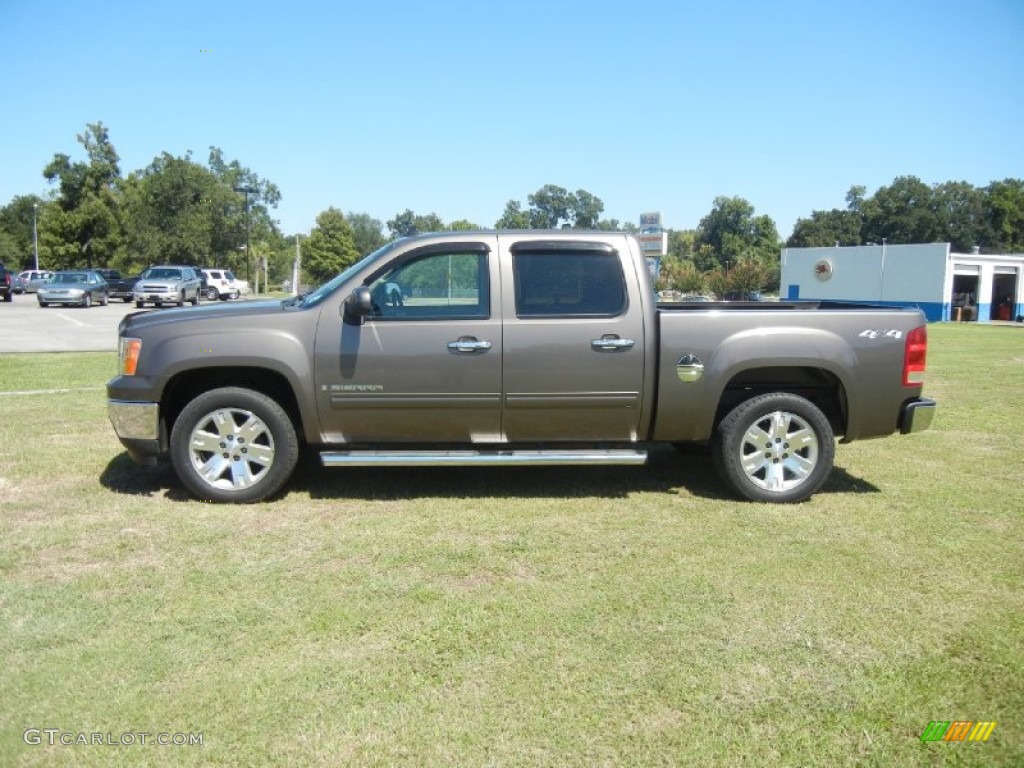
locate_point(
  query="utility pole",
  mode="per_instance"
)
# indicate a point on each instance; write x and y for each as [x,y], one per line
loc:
[35,234]
[248,191]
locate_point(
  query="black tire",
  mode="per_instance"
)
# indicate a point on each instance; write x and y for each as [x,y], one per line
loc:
[87,300]
[793,461]
[140,304]
[211,440]
[104,300]
[127,299]
[43,304]
[211,294]
[8,297]
[181,299]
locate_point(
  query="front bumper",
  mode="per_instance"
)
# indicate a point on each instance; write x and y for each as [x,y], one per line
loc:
[137,426]
[60,298]
[916,415]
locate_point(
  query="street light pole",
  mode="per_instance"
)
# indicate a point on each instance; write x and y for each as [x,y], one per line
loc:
[247,191]
[35,235]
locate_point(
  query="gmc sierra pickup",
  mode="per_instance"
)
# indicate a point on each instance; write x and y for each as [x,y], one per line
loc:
[518,348]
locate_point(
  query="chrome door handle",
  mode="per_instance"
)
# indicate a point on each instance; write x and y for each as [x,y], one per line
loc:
[468,345]
[611,343]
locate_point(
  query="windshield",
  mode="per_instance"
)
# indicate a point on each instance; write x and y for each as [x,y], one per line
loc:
[162,274]
[69,277]
[313,298]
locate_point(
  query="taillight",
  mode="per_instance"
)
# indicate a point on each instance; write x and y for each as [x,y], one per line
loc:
[914,354]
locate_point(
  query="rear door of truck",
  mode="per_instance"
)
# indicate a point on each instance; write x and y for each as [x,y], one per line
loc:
[573,352]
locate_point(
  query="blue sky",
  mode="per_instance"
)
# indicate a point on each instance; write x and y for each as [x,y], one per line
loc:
[456,107]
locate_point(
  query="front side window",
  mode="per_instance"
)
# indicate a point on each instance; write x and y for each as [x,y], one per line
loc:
[434,286]
[568,284]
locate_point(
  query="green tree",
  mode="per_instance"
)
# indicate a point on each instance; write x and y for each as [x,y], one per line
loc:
[16,229]
[514,217]
[330,247]
[367,232]
[681,275]
[462,225]
[171,207]
[1004,213]
[903,212]
[826,228]
[733,232]
[407,224]
[84,226]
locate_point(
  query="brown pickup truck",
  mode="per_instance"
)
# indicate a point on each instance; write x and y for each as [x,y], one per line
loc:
[515,348]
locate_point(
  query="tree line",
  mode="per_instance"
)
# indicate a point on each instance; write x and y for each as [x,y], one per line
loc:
[178,210]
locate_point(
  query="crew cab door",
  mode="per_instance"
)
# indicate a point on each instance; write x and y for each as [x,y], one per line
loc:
[425,366]
[574,344]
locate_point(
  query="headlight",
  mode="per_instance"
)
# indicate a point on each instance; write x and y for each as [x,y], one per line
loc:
[129,350]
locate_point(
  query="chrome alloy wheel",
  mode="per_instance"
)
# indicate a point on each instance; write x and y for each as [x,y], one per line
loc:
[778,451]
[231,448]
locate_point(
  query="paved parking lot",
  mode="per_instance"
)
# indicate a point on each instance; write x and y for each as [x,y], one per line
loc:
[27,327]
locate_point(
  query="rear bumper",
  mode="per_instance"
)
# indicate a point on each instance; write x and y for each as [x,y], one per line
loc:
[137,426]
[916,415]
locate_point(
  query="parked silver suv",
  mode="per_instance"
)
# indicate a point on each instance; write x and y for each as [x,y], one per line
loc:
[168,285]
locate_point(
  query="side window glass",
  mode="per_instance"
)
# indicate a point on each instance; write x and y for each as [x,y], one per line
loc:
[566,284]
[434,286]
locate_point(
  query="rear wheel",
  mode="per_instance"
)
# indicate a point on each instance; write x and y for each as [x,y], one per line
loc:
[776,447]
[211,294]
[233,445]
[140,304]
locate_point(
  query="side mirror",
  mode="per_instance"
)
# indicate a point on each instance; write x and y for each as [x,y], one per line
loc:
[358,305]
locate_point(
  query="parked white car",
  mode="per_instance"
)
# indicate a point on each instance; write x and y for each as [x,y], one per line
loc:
[222,284]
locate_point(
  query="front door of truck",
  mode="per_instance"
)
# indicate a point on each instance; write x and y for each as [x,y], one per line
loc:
[574,345]
[425,366]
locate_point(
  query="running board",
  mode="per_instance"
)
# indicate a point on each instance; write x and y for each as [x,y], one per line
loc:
[480,458]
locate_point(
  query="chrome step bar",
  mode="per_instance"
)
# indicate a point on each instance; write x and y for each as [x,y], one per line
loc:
[542,458]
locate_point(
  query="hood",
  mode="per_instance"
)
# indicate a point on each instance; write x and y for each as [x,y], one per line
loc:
[231,313]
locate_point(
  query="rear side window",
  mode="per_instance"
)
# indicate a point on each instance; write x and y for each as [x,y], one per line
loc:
[568,284]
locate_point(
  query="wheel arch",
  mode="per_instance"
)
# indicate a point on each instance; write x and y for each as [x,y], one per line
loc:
[818,385]
[185,386]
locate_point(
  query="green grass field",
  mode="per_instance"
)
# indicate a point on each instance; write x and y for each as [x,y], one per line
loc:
[577,617]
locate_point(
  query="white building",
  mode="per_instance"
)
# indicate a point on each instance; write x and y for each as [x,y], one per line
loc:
[945,285]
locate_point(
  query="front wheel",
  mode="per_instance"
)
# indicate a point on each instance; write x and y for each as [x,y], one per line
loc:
[87,300]
[233,445]
[776,447]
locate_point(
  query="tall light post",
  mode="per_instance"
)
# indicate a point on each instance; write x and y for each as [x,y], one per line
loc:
[35,235]
[248,191]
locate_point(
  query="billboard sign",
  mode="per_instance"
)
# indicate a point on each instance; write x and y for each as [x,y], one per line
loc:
[650,222]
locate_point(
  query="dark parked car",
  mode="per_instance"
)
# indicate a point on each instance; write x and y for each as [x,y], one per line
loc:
[120,287]
[6,290]
[74,286]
